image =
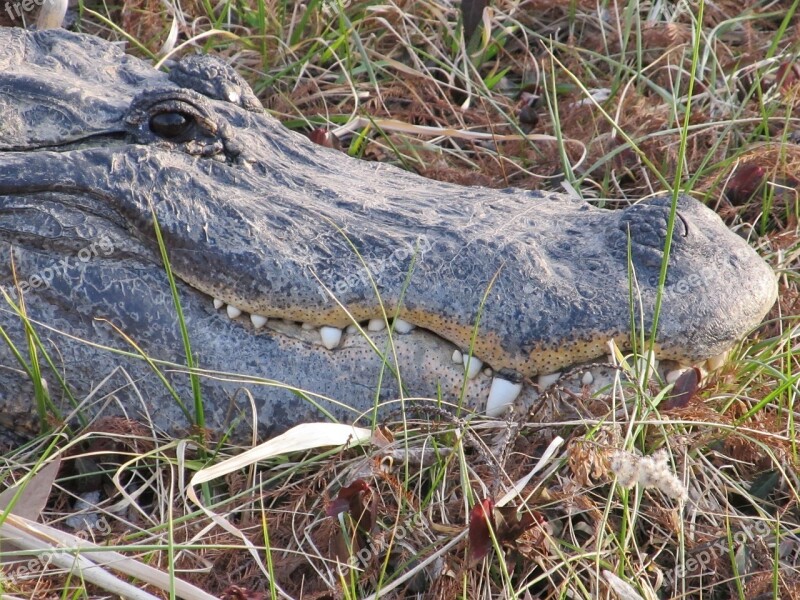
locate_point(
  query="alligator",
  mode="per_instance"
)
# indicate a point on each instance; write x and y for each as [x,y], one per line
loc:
[326,286]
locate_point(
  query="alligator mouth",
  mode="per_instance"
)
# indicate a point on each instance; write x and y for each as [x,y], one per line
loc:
[504,385]
[491,390]
[105,139]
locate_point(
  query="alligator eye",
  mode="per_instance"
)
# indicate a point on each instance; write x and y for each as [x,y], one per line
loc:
[171,125]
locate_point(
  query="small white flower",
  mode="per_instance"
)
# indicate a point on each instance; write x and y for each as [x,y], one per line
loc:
[626,467]
[649,472]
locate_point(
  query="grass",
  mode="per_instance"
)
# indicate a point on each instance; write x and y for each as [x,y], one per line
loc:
[625,100]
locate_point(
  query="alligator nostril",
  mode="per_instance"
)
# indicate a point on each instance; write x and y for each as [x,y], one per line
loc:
[685,231]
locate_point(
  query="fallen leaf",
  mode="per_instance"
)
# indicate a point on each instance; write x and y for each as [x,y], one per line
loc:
[355,498]
[382,437]
[764,484]
[684,390]
[745,183]
[528,111]
[323,137]
[33,496]
[511,524]
[481,519]
[787,75]
[623,589]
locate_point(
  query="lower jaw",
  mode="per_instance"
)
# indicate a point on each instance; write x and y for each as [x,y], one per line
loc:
[418,366]
[462,380]
[355,390]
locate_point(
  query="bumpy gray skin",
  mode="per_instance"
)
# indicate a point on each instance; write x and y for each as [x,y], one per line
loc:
[259,217]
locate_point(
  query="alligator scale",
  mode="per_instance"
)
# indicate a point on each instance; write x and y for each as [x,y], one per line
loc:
[280,247]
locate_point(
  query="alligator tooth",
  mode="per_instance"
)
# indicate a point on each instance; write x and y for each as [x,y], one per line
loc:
[376,325]
[218,303]
[457,356]
[545,381]
[258,321]
[401,326]
[331,336]
[501,395]
[488,371]
[475,365]
[307,326]
[351,329]
[715,362]
[648,362]
[51,15]
[233,312]
[587,378]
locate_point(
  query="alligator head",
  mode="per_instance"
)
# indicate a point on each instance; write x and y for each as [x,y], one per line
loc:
[277,245]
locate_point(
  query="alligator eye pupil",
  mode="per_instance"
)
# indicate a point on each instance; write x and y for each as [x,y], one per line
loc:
[171,125]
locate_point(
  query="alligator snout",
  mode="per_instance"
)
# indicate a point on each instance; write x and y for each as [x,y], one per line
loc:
[641,230]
